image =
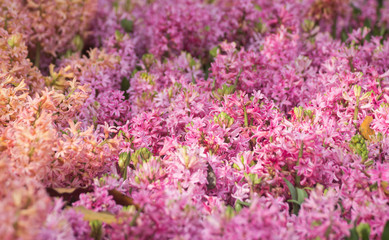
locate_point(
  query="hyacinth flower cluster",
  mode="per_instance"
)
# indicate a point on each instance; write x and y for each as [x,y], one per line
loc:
[194,119]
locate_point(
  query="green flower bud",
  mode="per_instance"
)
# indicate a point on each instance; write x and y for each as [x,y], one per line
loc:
[122,159]
[357,91]
[298,111]
[236,166]
[148,60]
[140,155]
[223,119]
[308,25]
[118,35]
[78,42]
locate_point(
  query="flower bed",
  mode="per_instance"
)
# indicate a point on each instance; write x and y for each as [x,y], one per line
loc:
[194,119]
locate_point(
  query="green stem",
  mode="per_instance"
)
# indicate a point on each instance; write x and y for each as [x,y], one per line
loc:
[298,178]
[356,112]
[246,120]
[126,164]
[127,5]
[380,154]
[37,55]
[213,83]
[237,78]
[193,79]
[133,220]
[350,62]
[333,27]
[6,23]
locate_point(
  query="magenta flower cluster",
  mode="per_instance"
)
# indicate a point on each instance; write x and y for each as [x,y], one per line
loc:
[194,119]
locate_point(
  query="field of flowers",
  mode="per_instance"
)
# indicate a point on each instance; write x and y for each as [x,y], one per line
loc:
[194,119]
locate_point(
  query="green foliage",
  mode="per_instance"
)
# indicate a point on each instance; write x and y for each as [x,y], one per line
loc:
[239,205]
[298,196]
[385,233]
[214,51]
[127,25]
[124,86]
[230,212]
[140,155]
[148,60]
[223,119]
[360,232]
[254,179]
[225,90]
[302,113]
[363,230]
[308,25]
[78,42]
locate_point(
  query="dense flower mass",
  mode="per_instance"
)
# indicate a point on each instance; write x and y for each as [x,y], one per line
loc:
[194,119]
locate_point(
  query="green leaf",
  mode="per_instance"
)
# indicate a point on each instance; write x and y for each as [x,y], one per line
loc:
[385,233]
[363,230]
[353,235]
[254,180]
[246,120]
[127,25]
[213,52]
[118,35]
[78,42]
[301,195]
[293,201]
[244,203]
[230,212]
[292,190]
[257,7]
[293,193]
[382,31]
[257,180]
[236,166]
[125,84]
[238,207]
